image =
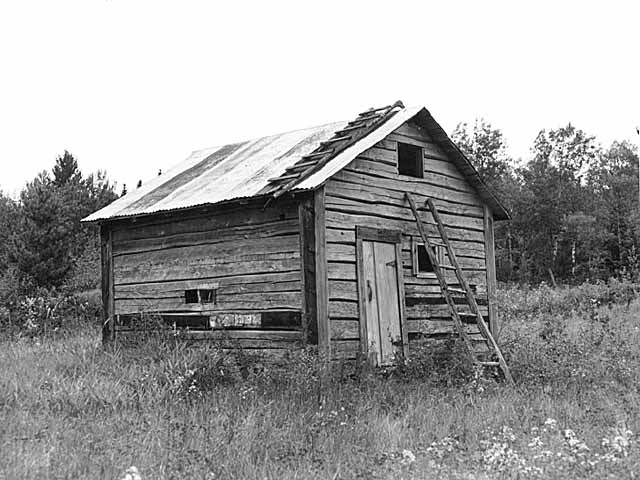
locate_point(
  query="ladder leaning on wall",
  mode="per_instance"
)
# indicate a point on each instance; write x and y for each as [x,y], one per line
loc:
[448,292]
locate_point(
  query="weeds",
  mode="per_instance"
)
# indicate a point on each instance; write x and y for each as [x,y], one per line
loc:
[71,409]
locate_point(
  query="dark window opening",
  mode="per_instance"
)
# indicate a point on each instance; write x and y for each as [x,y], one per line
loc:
[207,295]
[410,160]
[424,262]
[281,319]
[191,296]
[201,295]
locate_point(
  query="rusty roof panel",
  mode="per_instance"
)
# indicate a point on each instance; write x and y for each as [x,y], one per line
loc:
[220,173]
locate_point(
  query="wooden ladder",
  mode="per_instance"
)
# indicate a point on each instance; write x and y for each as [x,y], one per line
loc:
[448,292]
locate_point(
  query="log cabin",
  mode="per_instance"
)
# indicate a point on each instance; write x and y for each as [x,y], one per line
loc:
[305,237]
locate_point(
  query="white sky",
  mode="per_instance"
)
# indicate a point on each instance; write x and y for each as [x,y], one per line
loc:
[133,86]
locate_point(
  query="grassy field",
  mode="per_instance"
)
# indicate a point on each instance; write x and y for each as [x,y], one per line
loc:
[69,409]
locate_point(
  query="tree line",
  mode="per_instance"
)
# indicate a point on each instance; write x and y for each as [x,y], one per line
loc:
[43,245]
[573,205]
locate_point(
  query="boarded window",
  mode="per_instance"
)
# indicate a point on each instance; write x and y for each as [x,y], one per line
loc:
[410,160]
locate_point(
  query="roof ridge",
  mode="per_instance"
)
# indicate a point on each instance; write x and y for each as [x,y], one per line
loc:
[365,123]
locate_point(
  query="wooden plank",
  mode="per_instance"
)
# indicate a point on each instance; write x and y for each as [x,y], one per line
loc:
[415,185]
[209,237]
[361,297]
[382,170]
[345,329]
[108,320]
[438,327]
[388,300]
[208,219]
[345,349]
[371,302]
[248,338]
[401,301]
[378,234]
[340,189]
[322,277]
[343,290]
[224,287]
[338,252]
[343,309]
[491,271]
[431,150]
[341,271]
[251,301]
[342,220]
[400,211]
[206,267]
[308,249]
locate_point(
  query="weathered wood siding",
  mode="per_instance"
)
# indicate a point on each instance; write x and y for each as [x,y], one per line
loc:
[369,192]
[251,254]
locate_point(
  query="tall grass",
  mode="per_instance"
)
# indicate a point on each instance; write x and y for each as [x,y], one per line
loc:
[70,409]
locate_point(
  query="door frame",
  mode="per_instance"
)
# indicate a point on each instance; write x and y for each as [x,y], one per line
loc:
[386,236]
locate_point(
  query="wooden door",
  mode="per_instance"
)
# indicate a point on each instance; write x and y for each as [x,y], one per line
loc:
[382,303]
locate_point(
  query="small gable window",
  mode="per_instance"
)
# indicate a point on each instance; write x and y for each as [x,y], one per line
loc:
[410,160]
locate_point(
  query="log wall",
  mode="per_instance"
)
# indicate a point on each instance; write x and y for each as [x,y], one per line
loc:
[249,254]
[369,192]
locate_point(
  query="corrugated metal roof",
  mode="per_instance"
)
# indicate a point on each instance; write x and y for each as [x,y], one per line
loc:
[220,173]
[247,169]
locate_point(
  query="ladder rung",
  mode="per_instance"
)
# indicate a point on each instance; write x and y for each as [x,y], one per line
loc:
[448,267]
[335,140]
[456,290]
[437,244]
[489,364]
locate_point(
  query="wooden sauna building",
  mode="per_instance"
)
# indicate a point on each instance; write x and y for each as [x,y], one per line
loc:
[305,237]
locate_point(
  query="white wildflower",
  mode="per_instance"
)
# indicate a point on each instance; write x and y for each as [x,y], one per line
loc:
[407,457]
[132,473]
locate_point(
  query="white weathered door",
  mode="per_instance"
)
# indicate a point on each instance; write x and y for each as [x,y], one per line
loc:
[382,312]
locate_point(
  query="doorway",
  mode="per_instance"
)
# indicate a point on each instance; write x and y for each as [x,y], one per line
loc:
[382,331]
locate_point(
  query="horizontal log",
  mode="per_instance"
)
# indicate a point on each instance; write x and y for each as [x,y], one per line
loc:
[344,329]
[370,195]
[339,252]
[417,186]
[343,309]
[205,267]
[343,290]
[214,219]
[365,165]
[461,248]
[251,301]
[401,211]
[341,271]
[343,220]
[437,326]
[386,144]
[176,289]
[345,349]
[244,233]
[429,149]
